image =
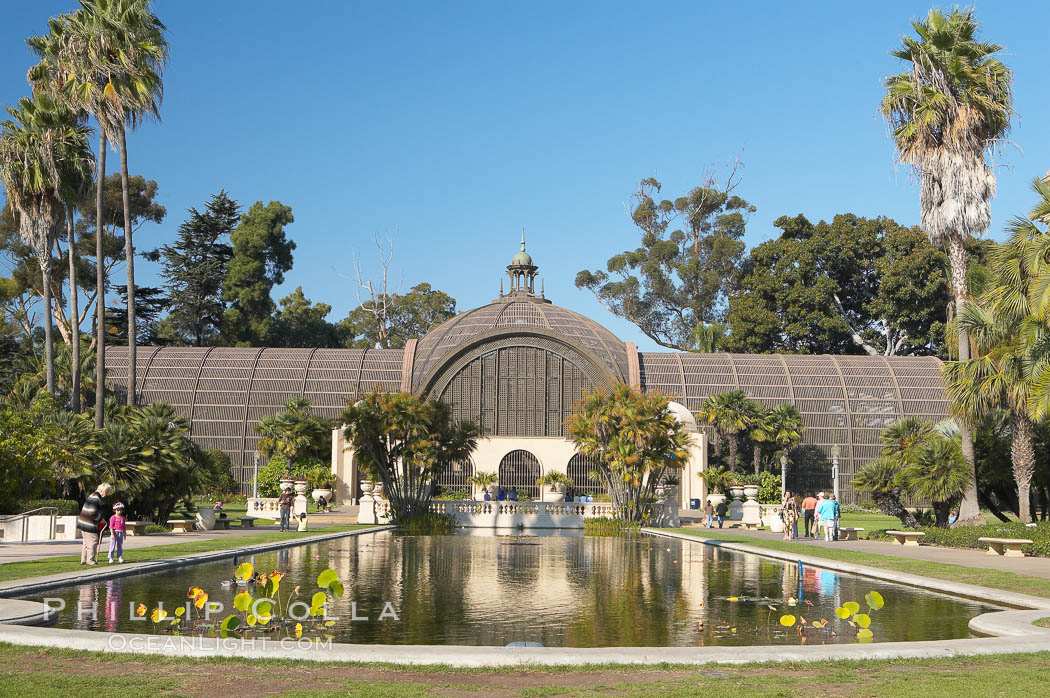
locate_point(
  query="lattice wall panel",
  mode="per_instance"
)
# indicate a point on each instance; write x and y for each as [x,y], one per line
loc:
[844,400]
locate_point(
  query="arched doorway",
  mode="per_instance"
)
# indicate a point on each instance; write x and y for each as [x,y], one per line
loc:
[456,476]
[578,469]
[520,469]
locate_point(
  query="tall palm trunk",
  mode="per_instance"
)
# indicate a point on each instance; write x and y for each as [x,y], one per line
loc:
[969,509]
[44,257]
[1022,455]
[732,453]
[758,459]
[129,261]
[74,310]
[100,287]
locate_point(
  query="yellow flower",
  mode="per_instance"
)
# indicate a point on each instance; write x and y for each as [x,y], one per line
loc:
[194,592]
[140,610]
[202,599]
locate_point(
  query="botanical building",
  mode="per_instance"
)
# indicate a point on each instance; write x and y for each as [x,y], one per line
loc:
[517,366]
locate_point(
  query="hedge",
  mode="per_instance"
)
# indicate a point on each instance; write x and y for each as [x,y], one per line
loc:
[66,507]
[966,536]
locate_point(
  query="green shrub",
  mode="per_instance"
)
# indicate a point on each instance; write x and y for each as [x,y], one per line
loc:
[66,507]
[448,494]
[428,524]
[858,509]
[966,536]
[606,526]
[157,528]
[769,488]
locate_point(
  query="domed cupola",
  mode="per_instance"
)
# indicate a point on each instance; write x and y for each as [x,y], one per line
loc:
[522,273]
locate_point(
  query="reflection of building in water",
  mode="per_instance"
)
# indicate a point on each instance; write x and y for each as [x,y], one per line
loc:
[113,609]
[86,612]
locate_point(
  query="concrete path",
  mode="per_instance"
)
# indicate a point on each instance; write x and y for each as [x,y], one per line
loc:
[18,552]
[1033,566]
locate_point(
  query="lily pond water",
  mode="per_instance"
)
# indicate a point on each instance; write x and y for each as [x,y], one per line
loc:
[559,591]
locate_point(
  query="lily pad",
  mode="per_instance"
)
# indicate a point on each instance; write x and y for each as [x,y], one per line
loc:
[842,612]
[865,635]
[244,571]
[242,601]
[874,600]
[853,606]
[863,619]
[787,620]
[326,578]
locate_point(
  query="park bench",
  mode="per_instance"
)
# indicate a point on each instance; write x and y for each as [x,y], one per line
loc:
[247,521]
[136,528]
[849,533]
[1007,547]
[223,524]
[183,526]
[906,538]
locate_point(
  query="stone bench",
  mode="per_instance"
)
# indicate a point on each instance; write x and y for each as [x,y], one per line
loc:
[136,528]
[906,538]
[1007,547]
[247,521]
[183,526]
[849,533]
[223,524]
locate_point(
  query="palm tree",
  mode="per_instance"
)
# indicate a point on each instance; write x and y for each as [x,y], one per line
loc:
[1009,336]
[952,105]
[110,55]
[760,431]
[293,433]
[731,413]
[42,149]
[884,480]
[46,77]
[939,474]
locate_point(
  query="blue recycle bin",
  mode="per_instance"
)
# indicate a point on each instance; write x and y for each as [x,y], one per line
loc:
[694,503]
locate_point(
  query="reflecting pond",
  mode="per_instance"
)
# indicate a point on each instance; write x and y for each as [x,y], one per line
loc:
[558,591]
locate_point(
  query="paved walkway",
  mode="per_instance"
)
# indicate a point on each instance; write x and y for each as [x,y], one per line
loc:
[1033,566]
[17,552]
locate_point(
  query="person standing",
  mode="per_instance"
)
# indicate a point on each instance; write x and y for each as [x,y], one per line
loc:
[117,529]
[836,514]
[284,503]
[720,511]
[709,513]
[826,516]
[91,522]
[790,512]
[809,507]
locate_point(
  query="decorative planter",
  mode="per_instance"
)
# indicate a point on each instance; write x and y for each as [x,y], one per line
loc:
[300,486]
[322,492]
[377,491]
[751,491]
[492,489]
[716,498]
[736,491]
[550,493]
[206,518]
[367,486]
[286,483]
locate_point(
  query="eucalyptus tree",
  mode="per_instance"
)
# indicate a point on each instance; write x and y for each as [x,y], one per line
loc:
[946,111]
[108,57]
[43,149]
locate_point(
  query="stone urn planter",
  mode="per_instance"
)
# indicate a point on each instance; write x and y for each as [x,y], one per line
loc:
[716,498]
[300,486]
[322,492]
[377,491]
[736,492]
[286,483]
[366,487]
[492,489]
[751,491]
[206,518]
[479,494]
[552,493]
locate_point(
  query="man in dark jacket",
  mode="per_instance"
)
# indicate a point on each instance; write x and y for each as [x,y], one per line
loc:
[284,503]
[720,512]
[90,523]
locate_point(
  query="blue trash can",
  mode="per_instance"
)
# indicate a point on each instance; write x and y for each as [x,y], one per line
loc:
[694,503]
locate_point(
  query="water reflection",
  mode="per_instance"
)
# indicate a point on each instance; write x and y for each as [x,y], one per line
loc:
[559,591]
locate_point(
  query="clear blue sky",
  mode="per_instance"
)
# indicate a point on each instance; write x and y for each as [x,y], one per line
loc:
[451,125]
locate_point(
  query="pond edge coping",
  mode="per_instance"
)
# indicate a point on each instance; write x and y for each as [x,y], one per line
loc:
[15,611]
[1013,632]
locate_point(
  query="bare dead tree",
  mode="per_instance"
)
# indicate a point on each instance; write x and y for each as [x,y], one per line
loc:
[373,295]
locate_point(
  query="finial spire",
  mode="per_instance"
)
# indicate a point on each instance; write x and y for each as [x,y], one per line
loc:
[522,238]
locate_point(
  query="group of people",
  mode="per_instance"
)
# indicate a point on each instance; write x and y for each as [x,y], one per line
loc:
[820,516]
[504,495]
[92,523]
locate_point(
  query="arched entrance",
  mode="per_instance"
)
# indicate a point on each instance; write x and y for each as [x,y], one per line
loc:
[520,469]
[578,469]
[456,476]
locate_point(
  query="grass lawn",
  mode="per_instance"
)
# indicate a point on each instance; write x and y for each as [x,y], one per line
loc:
[51,672]
[1008,581]
[71,563]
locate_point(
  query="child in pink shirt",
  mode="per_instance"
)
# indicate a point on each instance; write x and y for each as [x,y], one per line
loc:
[117,530]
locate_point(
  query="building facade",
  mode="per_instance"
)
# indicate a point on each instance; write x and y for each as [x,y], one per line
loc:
[517,366]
